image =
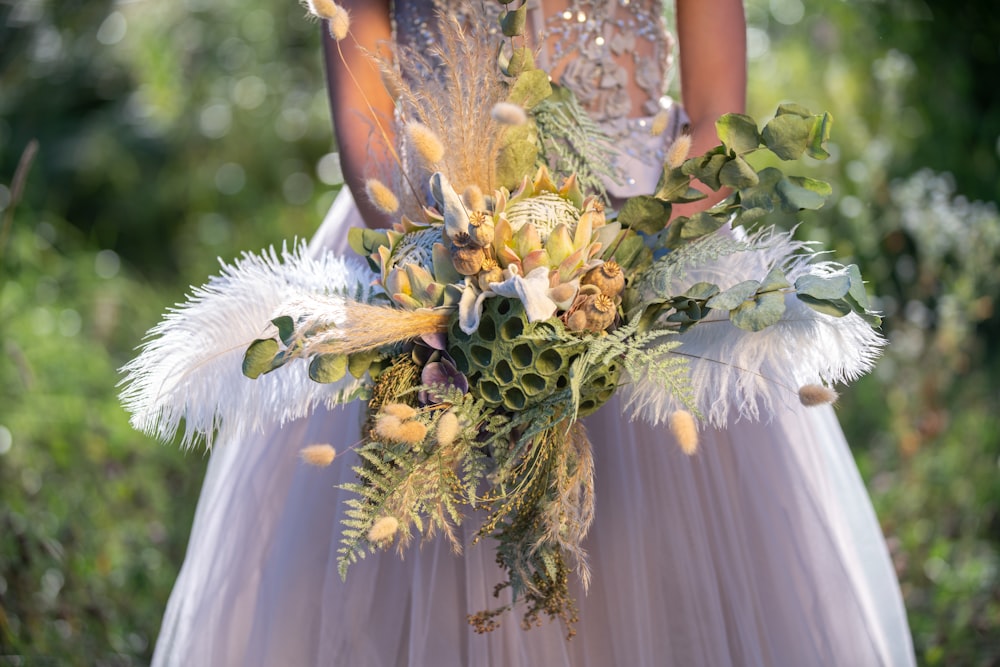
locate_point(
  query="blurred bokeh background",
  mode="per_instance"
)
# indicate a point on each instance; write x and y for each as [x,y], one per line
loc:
[172,133]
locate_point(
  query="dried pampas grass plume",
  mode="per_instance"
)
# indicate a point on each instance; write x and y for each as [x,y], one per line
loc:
[816,394]
[381,196]
[426,142]
[508,113]
[318,455]
[383,529]
[679,150]
[685,430]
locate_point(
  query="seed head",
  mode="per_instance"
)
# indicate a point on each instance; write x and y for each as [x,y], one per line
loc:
[679,151]
[383,529]
[685,430]
[318,455]
[508,113]
[426,142]
[381,196]
[816,394]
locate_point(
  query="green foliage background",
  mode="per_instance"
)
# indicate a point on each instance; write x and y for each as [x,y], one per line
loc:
[171,133]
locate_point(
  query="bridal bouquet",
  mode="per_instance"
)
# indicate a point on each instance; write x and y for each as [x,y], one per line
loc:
[506,304]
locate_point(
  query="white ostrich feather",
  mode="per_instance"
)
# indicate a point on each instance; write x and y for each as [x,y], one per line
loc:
[190,366]
[743,374]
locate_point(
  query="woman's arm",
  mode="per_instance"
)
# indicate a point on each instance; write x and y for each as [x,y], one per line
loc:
[359,101]
[713,60]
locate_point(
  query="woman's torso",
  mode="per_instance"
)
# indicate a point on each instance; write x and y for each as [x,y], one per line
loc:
[616,56]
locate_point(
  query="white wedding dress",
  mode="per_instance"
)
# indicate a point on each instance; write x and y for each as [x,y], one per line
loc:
[762,549]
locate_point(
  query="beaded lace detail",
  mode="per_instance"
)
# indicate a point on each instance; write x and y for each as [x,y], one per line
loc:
[610,53]
[588,43]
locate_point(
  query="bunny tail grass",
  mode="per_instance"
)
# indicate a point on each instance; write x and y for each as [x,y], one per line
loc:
[189,368]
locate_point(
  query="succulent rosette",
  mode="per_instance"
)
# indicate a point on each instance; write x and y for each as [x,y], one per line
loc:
[506,303]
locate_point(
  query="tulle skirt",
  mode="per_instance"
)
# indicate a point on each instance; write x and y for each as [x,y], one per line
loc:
[761,549]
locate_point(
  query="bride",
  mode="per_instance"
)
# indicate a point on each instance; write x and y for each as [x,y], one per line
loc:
[762,549]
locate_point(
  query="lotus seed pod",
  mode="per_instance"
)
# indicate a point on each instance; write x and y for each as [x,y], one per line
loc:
[481,228]
[608,277]
[507,368]
[468,261]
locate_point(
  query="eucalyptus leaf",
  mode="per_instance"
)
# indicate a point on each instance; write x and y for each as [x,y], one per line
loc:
[738,174]
[286,328]
[763,195]
[259,357]
[775,280]
[522,60]
[530,88]
[359,362]
[650,314]
[834,307]
[514,161]
[857,290]
[632,254]
[675,187]
[512,22]
[326,368]
[734,296]
[798,192]
[738,133]
[686,229]
[819,135]
[787,136]
[763,311]
[645,214]
[706,168]
[823,287]
[702,291]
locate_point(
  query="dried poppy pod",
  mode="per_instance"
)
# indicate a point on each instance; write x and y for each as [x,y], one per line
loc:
[592,312]
[468,260]
[461,240]
[489,272]
[481,228]
[608,277]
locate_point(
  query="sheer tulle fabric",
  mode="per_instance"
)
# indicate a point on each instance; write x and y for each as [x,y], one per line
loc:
[762,549]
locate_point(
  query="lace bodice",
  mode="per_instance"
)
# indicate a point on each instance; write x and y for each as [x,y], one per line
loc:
[616,56]
[603,50]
